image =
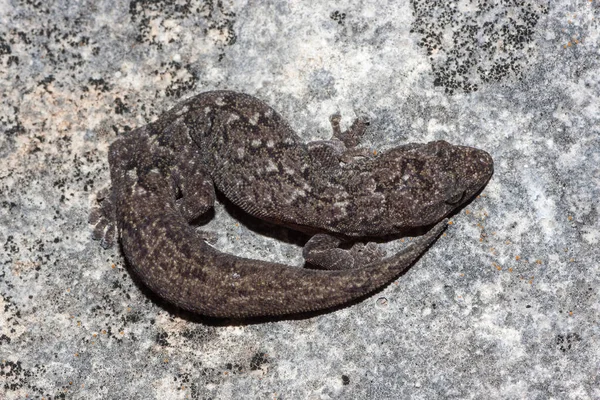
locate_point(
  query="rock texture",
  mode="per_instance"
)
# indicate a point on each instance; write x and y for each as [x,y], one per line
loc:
[505,305]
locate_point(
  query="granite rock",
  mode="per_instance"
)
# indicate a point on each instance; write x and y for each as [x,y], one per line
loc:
[504,305]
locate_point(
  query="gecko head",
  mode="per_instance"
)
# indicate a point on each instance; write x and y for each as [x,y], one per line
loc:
[461,171]
[423,183]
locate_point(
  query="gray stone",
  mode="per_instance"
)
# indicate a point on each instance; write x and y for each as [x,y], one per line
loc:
[504,305]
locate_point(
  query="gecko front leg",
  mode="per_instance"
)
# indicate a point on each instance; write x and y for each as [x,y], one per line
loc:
[103,218]
[342,146]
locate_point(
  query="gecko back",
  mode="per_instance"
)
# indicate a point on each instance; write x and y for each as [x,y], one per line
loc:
[260,164]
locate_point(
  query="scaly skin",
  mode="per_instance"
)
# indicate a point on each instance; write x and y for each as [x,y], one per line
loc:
[163,175]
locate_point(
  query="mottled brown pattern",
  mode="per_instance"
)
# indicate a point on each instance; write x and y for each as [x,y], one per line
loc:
[164,174]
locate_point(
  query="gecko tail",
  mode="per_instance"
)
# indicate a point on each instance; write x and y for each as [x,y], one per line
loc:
[407,256]
[187,272]
[315,290]
[378,274]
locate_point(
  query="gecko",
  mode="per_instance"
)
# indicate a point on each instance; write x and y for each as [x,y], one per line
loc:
[164,175]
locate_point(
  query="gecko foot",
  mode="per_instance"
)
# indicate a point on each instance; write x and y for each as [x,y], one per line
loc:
[351,136]
[210,238]
[102,216]
[322,250]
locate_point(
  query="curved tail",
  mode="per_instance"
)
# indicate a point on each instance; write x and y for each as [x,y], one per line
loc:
[172,259]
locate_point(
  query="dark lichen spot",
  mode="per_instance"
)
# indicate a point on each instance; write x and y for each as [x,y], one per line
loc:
[120,107]
[337,16]
[99,84]
[257,361]
[161,339]
[490,44]
[565,342]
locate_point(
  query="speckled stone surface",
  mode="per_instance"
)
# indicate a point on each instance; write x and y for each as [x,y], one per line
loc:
[504,305]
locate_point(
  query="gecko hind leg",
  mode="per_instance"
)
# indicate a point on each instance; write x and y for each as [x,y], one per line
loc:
[103,217]
[194,195]
[322,250]
[191,187]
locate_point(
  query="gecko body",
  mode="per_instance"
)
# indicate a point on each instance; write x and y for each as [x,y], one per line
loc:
[164,175]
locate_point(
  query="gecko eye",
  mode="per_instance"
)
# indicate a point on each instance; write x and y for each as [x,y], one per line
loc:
[456,198]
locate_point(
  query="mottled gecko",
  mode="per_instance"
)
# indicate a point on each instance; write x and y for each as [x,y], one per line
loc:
[164,175]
